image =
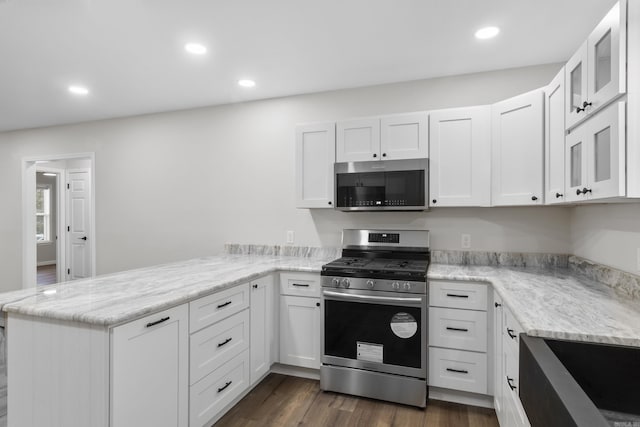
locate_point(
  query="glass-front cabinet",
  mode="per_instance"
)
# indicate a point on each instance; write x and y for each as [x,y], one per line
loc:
[596,73]
[595,156]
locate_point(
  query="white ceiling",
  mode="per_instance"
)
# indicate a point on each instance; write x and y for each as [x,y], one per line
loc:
[130,52]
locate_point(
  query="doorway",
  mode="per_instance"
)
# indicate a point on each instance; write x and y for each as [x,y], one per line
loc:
[58,219]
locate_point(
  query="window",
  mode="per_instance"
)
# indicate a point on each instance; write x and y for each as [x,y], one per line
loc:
[43,213]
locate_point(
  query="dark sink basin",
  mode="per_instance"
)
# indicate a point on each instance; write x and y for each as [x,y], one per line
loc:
[567,383]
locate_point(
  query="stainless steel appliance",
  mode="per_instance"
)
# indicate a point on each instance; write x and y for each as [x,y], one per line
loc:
[393,185]
[374,323]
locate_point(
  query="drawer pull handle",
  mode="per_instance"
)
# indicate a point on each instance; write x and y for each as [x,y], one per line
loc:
[301,285]
[511,333]
[497,304]
[221,389]
[511,386]
[449,328]
[459,371]
[457,296]
[164,319]
[225,342]
[224,304]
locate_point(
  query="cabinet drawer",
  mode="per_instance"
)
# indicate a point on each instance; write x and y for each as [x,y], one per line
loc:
[211,394]
[218,343]
[466,295]
[459,329]
[212,308]
[458,370]
[300,284]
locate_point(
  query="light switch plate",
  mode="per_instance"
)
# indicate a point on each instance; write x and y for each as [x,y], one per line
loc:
[466,241]
[290,236]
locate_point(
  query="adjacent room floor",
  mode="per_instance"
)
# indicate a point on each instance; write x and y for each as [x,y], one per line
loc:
[281,400]
[47,274]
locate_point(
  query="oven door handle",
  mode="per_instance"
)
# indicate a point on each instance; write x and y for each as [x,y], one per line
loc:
[371,297]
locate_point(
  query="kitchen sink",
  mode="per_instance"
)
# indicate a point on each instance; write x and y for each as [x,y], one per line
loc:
[568,383]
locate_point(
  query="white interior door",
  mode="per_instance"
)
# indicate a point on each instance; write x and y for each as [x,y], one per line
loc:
[79,224]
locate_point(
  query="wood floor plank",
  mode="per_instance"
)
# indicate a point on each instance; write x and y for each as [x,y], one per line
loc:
[283,401]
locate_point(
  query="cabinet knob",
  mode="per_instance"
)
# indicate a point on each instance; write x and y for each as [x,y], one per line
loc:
[558,195]
[384,154]
[534,198]
[375,155]
[434,201]
[317,304]
[329,202]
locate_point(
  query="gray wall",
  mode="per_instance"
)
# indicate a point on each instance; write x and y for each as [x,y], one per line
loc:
[179,185]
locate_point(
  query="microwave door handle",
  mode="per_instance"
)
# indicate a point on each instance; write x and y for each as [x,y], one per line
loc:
[372,298]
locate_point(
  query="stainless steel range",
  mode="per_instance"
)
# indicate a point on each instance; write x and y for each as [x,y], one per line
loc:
[374,325]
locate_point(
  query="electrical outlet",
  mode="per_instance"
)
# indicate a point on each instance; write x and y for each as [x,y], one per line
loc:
[290,236]
[466,241]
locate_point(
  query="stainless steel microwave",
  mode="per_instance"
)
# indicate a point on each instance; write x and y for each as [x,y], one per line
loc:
[386,185]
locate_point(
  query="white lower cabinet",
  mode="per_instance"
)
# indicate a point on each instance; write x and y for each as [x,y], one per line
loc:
[506,367]
[262,328]
[300,331]
[149,370]
[458,336]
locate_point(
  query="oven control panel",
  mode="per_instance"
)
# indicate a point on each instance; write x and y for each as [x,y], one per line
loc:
[385,285]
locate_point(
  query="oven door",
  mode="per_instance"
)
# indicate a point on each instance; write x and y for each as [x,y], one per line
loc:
[376,331]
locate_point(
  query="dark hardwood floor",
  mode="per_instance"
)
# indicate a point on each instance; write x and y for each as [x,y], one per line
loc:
[280,400]
[47,274]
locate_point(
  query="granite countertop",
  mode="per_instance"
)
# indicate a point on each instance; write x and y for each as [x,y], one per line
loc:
[557,303]
[120,297]
[548,302]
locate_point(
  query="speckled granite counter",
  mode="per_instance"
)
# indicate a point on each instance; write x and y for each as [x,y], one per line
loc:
[120,297]
[557,303]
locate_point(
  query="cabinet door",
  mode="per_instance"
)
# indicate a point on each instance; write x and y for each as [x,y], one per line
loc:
[606,153]
[358,140]
[575,164]
[149,370]
[554,141]
[576,86]
[300,331]
[498,369]
[404,137]
[517,146]
[261,327]
[460,157]
[315,156]
[607,58]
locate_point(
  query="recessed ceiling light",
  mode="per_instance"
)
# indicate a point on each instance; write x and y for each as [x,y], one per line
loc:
[195,48]
[78,90]
[246,83]
[487,33]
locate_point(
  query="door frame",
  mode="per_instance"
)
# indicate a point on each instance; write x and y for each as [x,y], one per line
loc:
[29,245]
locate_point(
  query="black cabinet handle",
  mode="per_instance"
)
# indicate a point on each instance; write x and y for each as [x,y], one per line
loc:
[225,386]
[457,296]
[225,342]
[497,304]
[384,154]
[224,304]
[434,201]
[83,238]
[534,198]
[457,329]
[578,192]
[511,333]
[460,371]
[255,286]
[301,285]
[317,304]
[586,190]
[164,319]
[558,195]
[585,104]
[509,381]
[375,155]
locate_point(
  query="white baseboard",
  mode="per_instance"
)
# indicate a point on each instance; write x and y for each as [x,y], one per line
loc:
[463,397]
[295,371]
[41,263]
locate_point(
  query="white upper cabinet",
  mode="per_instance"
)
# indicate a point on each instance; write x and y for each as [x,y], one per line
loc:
[595,156]
[315,156]
[517,150]
[358,140]
[596,73]
[401,136]
[554,140]
[404,136]
[460,156]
